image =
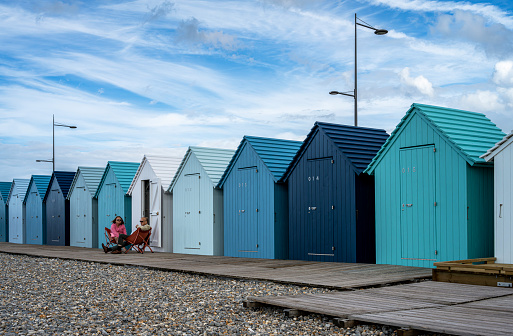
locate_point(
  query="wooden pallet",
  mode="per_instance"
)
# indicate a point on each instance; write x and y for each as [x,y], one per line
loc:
[481,271]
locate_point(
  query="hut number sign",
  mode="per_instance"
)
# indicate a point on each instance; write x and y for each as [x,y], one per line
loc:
[313,178]
[407,170]
[243,184]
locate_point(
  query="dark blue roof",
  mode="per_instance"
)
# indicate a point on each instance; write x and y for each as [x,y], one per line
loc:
[64,179]
[275,153]
[358,144]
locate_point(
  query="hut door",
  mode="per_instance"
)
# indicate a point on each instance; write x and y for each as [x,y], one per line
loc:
[78,216]
[155,213]
[247,195]
[192,211]
[16,221]
[418,234]
[319,210]
[56,222]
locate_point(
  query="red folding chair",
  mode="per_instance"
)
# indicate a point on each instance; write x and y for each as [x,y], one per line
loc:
[139,240]
[110,241]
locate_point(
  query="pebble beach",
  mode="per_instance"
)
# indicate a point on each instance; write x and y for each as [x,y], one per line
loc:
[42,296]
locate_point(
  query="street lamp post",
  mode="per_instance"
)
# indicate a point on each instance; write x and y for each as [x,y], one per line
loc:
[52,160]
[355,91]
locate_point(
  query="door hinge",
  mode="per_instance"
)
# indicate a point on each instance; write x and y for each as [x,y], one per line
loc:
[333,248]
[257,210]
[332,207]
[257,245]
[436,252]
[434,149]
[435,203]
[199,211]
[332,161]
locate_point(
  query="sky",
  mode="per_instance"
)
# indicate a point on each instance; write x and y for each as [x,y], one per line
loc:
[156,76]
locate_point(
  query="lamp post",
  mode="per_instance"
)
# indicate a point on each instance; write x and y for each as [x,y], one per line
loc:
[355,91]
[52,160]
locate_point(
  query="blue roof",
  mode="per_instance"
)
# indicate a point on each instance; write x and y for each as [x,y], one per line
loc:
[124,172]
[5,187]
[213,160]
[92,177]
[276,154]
[471,134]
[358,144]
[41,182]
[21,186]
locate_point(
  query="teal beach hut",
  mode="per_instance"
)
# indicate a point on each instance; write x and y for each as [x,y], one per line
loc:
[197,204]
[255,204]
[17,211]
[5,187]
[35,210]
[112,196]
[83,207]
[434,194]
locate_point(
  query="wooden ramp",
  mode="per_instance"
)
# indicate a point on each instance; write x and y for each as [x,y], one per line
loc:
[304,273]
[456,309]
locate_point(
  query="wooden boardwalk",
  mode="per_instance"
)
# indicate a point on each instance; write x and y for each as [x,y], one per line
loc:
[455,309]
[305,273]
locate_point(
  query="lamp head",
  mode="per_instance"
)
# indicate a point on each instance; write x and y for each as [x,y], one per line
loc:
[380,31]
[334,93]
[73,127]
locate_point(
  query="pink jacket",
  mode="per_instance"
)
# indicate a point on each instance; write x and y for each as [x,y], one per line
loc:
[115,230]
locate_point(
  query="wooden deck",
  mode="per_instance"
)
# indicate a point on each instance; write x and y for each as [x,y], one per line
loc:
[455,309]
[305,273]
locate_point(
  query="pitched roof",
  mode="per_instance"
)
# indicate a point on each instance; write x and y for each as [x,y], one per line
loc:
[471,134]
[5,187]
[213,160]
[358,144]
[276,154]
[498,147]
[64,180]
[92,177]
[124,172]
[163,166]
[21,186]
[41,182]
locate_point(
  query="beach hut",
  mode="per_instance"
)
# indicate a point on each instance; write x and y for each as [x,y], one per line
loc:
[434,194]
[151,199]
[197,203]
[35,211]
[331,200]
[57,208]
[255,204]
[5,187]
[502,156]
[112,196]
[83,207]
[17,210]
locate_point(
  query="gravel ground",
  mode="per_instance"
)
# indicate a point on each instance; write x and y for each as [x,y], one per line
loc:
[41,296]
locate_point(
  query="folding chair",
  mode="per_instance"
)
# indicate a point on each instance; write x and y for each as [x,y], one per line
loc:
[110,241]
[139,240]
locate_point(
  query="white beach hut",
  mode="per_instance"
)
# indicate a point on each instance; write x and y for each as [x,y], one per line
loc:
[151,199]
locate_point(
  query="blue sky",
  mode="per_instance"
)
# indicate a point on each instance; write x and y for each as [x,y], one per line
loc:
[154,77]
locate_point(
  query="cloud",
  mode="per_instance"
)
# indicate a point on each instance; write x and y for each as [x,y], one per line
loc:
[57,8]
[485,101]
[189,32]
[503,74]
[160,11]
[420,82]
[494,38]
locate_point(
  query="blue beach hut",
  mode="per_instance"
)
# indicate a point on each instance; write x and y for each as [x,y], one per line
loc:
[255,204]
[17,210]
[331,200]
[35,211]
[434,194]
[112,196]
[83,207]
[197,203]
[57,208]
[5,187]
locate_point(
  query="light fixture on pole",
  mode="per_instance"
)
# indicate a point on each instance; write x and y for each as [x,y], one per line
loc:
[52,160]
[355,91]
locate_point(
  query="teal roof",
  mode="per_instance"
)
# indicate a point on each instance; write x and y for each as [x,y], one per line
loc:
[469,133]
[124,172]
[275,153]
[5,187]
[92,177]
[213,160]
[42,182]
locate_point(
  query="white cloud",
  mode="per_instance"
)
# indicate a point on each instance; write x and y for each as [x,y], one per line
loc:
[189,32]
[420,82]
[503,74]
[483,101]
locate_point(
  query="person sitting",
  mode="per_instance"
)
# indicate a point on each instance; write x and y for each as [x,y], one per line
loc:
[121,238]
